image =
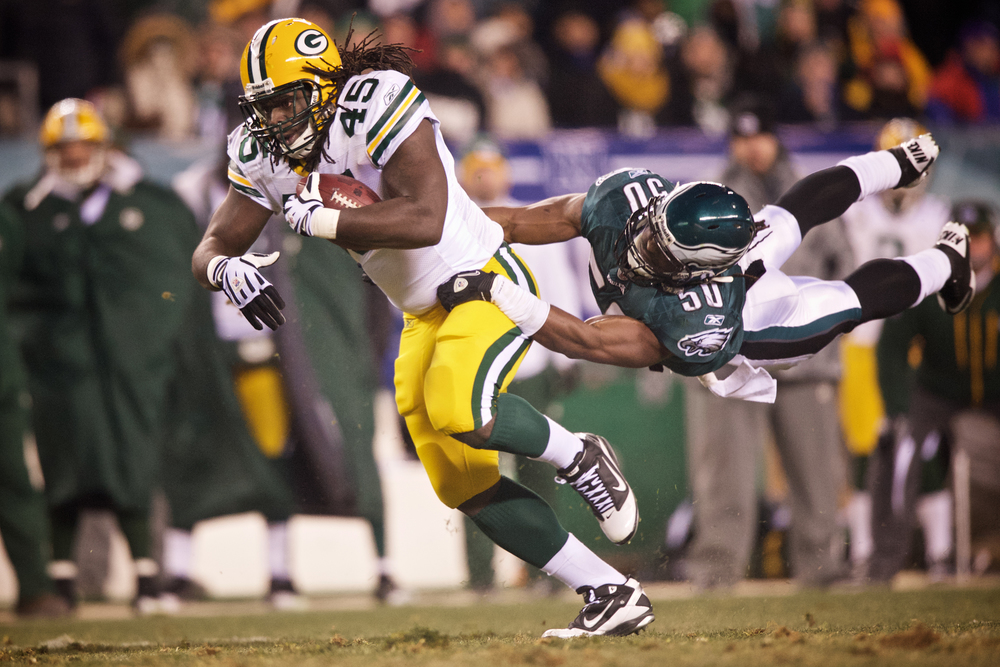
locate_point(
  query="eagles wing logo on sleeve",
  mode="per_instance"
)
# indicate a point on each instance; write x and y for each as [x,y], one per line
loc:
[705,343]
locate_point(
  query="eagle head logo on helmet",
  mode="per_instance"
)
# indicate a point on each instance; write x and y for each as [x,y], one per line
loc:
[286,104]
[686,237]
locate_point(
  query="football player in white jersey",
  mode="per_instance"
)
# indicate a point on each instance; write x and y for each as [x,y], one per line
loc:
[312,109]
[897,222]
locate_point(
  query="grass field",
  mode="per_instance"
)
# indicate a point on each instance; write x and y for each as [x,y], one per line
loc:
[946,626]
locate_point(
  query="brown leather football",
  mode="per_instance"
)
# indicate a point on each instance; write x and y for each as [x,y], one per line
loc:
[340,191]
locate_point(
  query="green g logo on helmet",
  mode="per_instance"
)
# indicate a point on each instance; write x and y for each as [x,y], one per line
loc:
[686,237]
[311,43]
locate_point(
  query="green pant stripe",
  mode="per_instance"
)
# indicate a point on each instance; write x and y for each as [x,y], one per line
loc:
[516,269]
[493,370]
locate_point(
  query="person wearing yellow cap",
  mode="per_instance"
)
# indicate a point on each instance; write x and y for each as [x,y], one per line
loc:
[98,301]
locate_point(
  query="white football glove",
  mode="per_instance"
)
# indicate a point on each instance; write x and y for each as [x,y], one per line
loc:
[251,292]
[915,157]
[306,214]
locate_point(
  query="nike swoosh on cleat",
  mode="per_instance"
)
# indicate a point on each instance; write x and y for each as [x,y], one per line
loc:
[622,486]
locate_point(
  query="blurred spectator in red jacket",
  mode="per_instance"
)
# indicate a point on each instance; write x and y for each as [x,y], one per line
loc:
[966,88]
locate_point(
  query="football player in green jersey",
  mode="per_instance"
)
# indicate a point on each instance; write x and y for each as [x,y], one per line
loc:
[689,279]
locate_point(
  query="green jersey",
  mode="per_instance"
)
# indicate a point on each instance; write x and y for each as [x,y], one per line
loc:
[702,326]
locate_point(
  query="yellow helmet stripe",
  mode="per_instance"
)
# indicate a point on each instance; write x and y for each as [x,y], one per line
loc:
[256,66]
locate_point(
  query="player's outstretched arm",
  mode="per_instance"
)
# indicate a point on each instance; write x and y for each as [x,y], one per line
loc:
[549,221]
[221,262]
[614,340]
[827,194]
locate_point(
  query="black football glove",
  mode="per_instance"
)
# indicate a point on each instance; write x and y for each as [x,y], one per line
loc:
[249,291]
[466,286]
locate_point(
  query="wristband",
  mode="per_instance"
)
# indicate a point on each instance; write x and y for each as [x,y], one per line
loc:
[212,264]
[323,223]
[876,171]
[524,309]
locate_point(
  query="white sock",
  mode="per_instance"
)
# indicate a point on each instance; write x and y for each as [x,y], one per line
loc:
[934,269]
[859,523]
[277,549]
[575,565]
[146,567]
[562,447]
[177,548]
[876,171]
[934,511]
[62,569]
[384,567]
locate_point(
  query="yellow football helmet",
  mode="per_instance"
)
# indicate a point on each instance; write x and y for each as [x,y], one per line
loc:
[72,119]
[76,142]
[896,131]
[286,104]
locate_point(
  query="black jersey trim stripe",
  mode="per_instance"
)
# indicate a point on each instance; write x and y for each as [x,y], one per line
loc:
[790,342]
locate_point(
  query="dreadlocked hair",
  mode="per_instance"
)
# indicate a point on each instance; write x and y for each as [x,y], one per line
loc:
[365,55]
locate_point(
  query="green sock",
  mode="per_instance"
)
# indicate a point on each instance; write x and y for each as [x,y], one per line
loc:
[522,523]
[478,556]
[378,532]
[518,428]
[135,527]
[64,521]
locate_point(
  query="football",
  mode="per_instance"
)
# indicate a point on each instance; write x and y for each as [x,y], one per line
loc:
[340,191]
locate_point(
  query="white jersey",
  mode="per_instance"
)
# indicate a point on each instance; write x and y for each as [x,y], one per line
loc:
[874,232]
[375,113]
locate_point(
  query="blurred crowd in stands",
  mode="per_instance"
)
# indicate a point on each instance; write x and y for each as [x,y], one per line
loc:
[516,70]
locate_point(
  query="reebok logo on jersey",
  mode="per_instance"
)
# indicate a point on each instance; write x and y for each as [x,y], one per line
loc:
[705,343]
[391,95]
[715,320]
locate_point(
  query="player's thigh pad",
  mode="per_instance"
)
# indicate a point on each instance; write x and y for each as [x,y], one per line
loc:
[788,317]
[476,355]
[456,471]
[775,244]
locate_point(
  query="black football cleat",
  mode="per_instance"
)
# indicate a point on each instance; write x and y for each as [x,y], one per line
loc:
[958,290]
[597,477]
[614,610]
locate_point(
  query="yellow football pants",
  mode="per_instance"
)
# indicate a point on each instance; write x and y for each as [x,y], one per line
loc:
[450,370]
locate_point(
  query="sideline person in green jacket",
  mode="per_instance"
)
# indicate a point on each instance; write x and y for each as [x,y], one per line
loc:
[23,521]
[941,385]
[98,303]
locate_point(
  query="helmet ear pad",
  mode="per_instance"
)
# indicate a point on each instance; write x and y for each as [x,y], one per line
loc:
[701,229]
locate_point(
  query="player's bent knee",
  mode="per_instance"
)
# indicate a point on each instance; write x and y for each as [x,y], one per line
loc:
[454,493]
[447,406]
